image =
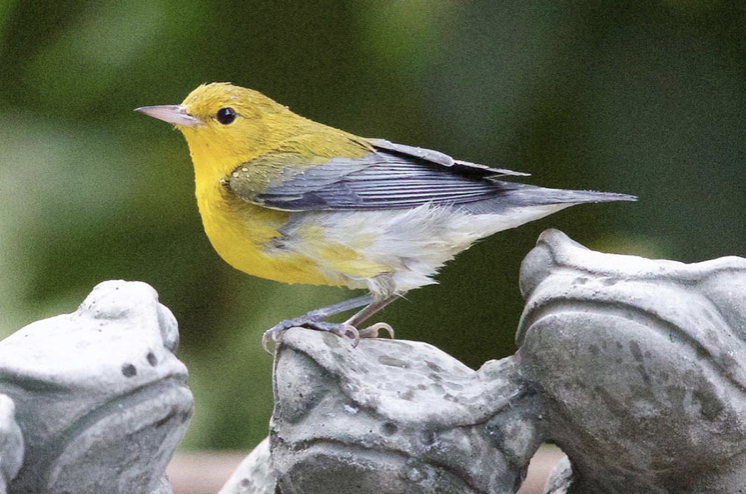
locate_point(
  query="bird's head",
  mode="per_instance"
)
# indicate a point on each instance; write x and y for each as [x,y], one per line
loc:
[227,125]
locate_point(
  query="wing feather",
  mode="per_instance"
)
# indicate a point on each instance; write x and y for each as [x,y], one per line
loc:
[440,158]
[394,176]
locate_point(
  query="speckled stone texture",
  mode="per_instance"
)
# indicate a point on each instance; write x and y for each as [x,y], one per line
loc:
[396,416]
[11,443]
[390,416]
[99,395]
[254,475]
[640,366]
[634,367]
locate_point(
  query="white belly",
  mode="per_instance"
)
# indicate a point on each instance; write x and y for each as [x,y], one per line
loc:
[412,243]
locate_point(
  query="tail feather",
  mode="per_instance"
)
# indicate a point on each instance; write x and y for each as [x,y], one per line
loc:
[521,196]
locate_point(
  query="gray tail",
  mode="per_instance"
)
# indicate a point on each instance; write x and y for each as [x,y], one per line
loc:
[522,195]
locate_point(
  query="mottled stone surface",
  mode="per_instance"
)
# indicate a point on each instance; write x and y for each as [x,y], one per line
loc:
[254,475]
[641,365]
[634,367]
[99,395]
[11,443]
[163,487]
[391,417]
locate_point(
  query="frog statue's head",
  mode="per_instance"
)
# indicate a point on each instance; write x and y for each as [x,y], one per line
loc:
[99,396]
[641,365]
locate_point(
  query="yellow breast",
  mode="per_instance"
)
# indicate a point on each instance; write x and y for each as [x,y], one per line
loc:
[242,235]
[249,236]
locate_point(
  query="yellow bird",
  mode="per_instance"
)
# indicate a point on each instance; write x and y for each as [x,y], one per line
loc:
[292,200]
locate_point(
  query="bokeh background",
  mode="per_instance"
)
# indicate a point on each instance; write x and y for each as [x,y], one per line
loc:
[647,98]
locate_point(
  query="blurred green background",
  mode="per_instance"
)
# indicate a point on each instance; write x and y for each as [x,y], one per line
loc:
[647,98]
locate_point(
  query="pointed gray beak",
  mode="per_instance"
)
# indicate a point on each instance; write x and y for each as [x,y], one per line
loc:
[174,114]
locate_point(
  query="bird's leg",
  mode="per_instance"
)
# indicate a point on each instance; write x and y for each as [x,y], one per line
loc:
[367,312]
[315,319]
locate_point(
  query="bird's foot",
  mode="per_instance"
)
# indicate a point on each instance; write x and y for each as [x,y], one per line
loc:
[315,322]
[372,331]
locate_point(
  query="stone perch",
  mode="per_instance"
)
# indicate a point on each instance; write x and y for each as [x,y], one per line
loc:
[634,367]
[93,402]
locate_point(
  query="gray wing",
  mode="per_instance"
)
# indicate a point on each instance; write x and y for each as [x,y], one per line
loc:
[394,176]
[440,158]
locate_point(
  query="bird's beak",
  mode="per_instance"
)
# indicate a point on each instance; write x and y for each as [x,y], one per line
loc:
[174,114]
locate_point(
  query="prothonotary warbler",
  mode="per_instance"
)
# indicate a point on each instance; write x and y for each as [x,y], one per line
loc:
[288,199]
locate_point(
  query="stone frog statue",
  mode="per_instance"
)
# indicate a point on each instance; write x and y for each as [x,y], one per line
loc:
[634,367]
[640,366]
[95,401]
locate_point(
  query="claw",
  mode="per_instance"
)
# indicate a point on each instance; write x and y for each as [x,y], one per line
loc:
[313,320]
[274,334]
[345,330]
[372,331]
[268,335]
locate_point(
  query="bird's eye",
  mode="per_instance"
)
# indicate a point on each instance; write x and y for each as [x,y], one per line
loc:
[226,115]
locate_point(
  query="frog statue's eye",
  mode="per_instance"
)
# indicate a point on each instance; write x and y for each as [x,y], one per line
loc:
[226,115]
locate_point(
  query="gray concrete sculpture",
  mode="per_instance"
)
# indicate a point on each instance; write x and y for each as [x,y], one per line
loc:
[99,397]
[640,366]
[632,366]
[391,416]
